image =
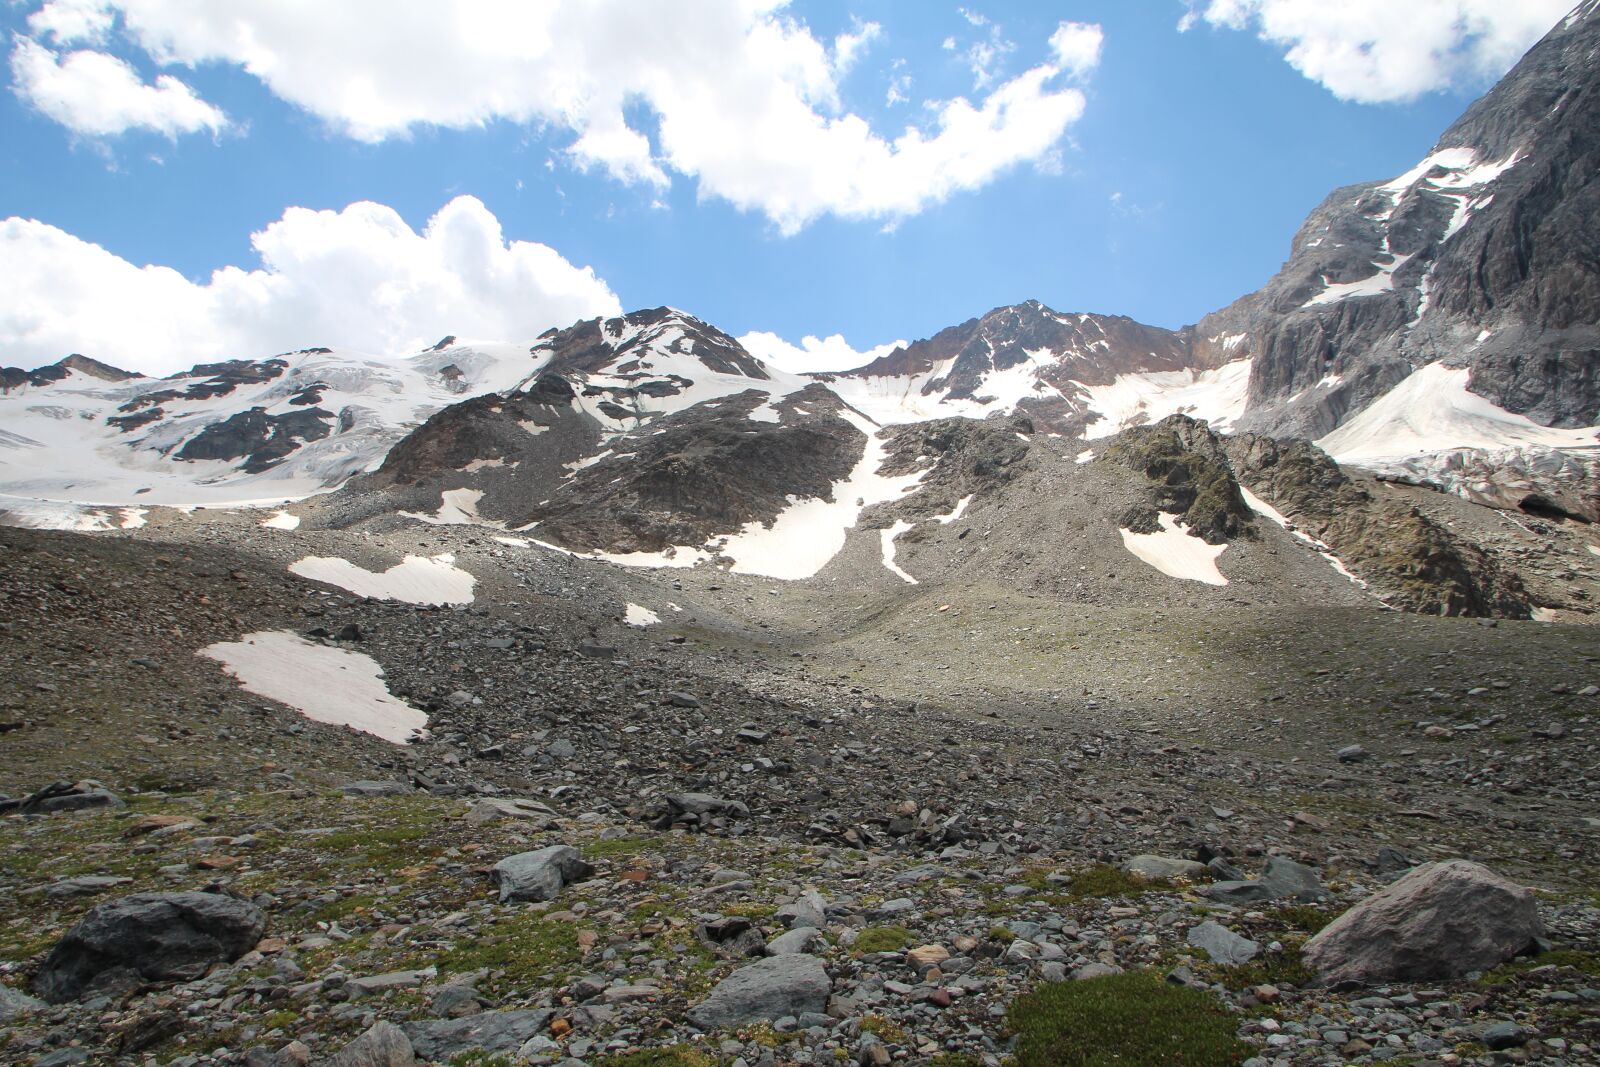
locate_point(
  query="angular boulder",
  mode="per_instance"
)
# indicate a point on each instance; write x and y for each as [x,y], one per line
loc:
[1439,921]
[1222,945]
[539,875]
[158,936]
[494,1032]
[1163,868]
[765,991]
[1283,877]
[384,1045]
[15,1003]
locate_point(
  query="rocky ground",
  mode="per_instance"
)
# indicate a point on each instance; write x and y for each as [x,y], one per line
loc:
[953,767]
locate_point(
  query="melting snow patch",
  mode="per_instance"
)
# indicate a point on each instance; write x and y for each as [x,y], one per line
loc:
[328,685]
[282,520]
[133,518]
[1086,456]
[1595,550]
[639,616]
[514,542]
[457,507]
[1217,396]
[1381,282]
[1544,615]
[417,580]
[961,509]
[1176,552]
[809,533]
[901,526]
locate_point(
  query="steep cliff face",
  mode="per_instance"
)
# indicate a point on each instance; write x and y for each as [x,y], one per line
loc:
[1484,255]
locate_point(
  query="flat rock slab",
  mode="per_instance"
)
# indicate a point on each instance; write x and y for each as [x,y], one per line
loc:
[1222,944]
[385,1045]
[1440,920]
[539,875]
[1235,892]
[765,991]
[1284,877]
[159,936]
[14,1002]
[490,1031]
[1164,868]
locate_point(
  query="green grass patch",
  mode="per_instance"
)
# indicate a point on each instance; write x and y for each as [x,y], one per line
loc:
[881,939]
[1304,917]
[523,950]
[672,1056]
[887,1031]
[1586,962]
[615,848]
[1269,968]
[1126,1020]
[1104,880]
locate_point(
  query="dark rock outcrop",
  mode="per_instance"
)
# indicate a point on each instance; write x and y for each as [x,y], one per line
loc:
[149,936]
[1411,561]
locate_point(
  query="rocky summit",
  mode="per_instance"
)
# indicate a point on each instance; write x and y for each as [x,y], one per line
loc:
[1054,689]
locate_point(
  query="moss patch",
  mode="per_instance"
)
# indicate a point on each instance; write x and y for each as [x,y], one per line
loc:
[881,939]
[1126,1020]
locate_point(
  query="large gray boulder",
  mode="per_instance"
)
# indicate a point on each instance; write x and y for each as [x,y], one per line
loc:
[14,1003]
[765,991]
[157,936]
[1283,877]
[384,1045]
[1163,868]
[1439,921]
[539,875]
[1222,944]
[501,1032]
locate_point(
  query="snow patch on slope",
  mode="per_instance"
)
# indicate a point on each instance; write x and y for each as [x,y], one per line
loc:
[1433,411]
[1175,551]
[888,536]
[327,685]
[636,615]
[1217,396]
[416,580]
[807,535]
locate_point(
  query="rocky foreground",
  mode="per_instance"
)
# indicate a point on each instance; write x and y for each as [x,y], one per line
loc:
[282,925]
[728,838]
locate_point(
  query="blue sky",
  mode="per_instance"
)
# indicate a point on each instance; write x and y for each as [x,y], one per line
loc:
[1174,167]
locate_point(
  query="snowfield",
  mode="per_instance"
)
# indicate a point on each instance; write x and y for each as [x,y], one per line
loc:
[1176,552]
[328,685]
[416,580]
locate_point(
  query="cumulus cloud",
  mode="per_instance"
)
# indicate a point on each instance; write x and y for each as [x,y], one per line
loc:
[1379,51]
[1077,47]
[813,354]
[744,99]
[99,95]
[360,278]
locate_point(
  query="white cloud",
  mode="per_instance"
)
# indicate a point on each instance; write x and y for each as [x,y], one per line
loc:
[1378,51]
[744,98]
[1077,47]
[812,354]
[99,95]
[359,278]
[848,48]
